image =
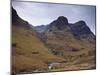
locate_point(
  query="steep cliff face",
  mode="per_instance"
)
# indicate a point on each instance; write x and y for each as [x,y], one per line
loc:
[14,15]
[81,30]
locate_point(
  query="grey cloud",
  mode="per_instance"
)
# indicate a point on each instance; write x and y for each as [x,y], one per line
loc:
[44,13]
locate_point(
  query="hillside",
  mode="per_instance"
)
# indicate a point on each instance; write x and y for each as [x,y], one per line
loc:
[29,54]
[74,42]
[58,46]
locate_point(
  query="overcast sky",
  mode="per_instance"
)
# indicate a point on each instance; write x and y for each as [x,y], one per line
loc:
[45,13]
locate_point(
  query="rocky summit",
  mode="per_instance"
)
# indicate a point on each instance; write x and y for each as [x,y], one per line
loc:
[78,29]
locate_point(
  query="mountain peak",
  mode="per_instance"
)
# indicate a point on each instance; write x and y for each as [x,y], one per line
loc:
[80,29]
[60,23]
[81,22]
[62,20]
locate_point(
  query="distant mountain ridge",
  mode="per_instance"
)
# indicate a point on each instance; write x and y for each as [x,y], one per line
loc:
[41,28]
[78,29]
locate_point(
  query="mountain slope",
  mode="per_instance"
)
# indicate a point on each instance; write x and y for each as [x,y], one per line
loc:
[58,46]
[29,54]
[74,42]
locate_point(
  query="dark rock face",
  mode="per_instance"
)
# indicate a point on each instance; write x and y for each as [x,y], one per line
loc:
[62,20]
[80,28]
[14,15]
[16,20]
[82,31]
[60,23]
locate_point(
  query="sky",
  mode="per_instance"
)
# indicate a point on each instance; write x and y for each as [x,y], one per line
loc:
[44,13]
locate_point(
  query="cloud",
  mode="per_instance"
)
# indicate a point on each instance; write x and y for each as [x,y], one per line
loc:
[43,13]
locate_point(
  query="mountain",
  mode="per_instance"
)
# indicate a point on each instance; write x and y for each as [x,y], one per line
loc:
[14,16]
[58,46]
[74,42]
[29,53]
[81,30]
[41,28]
